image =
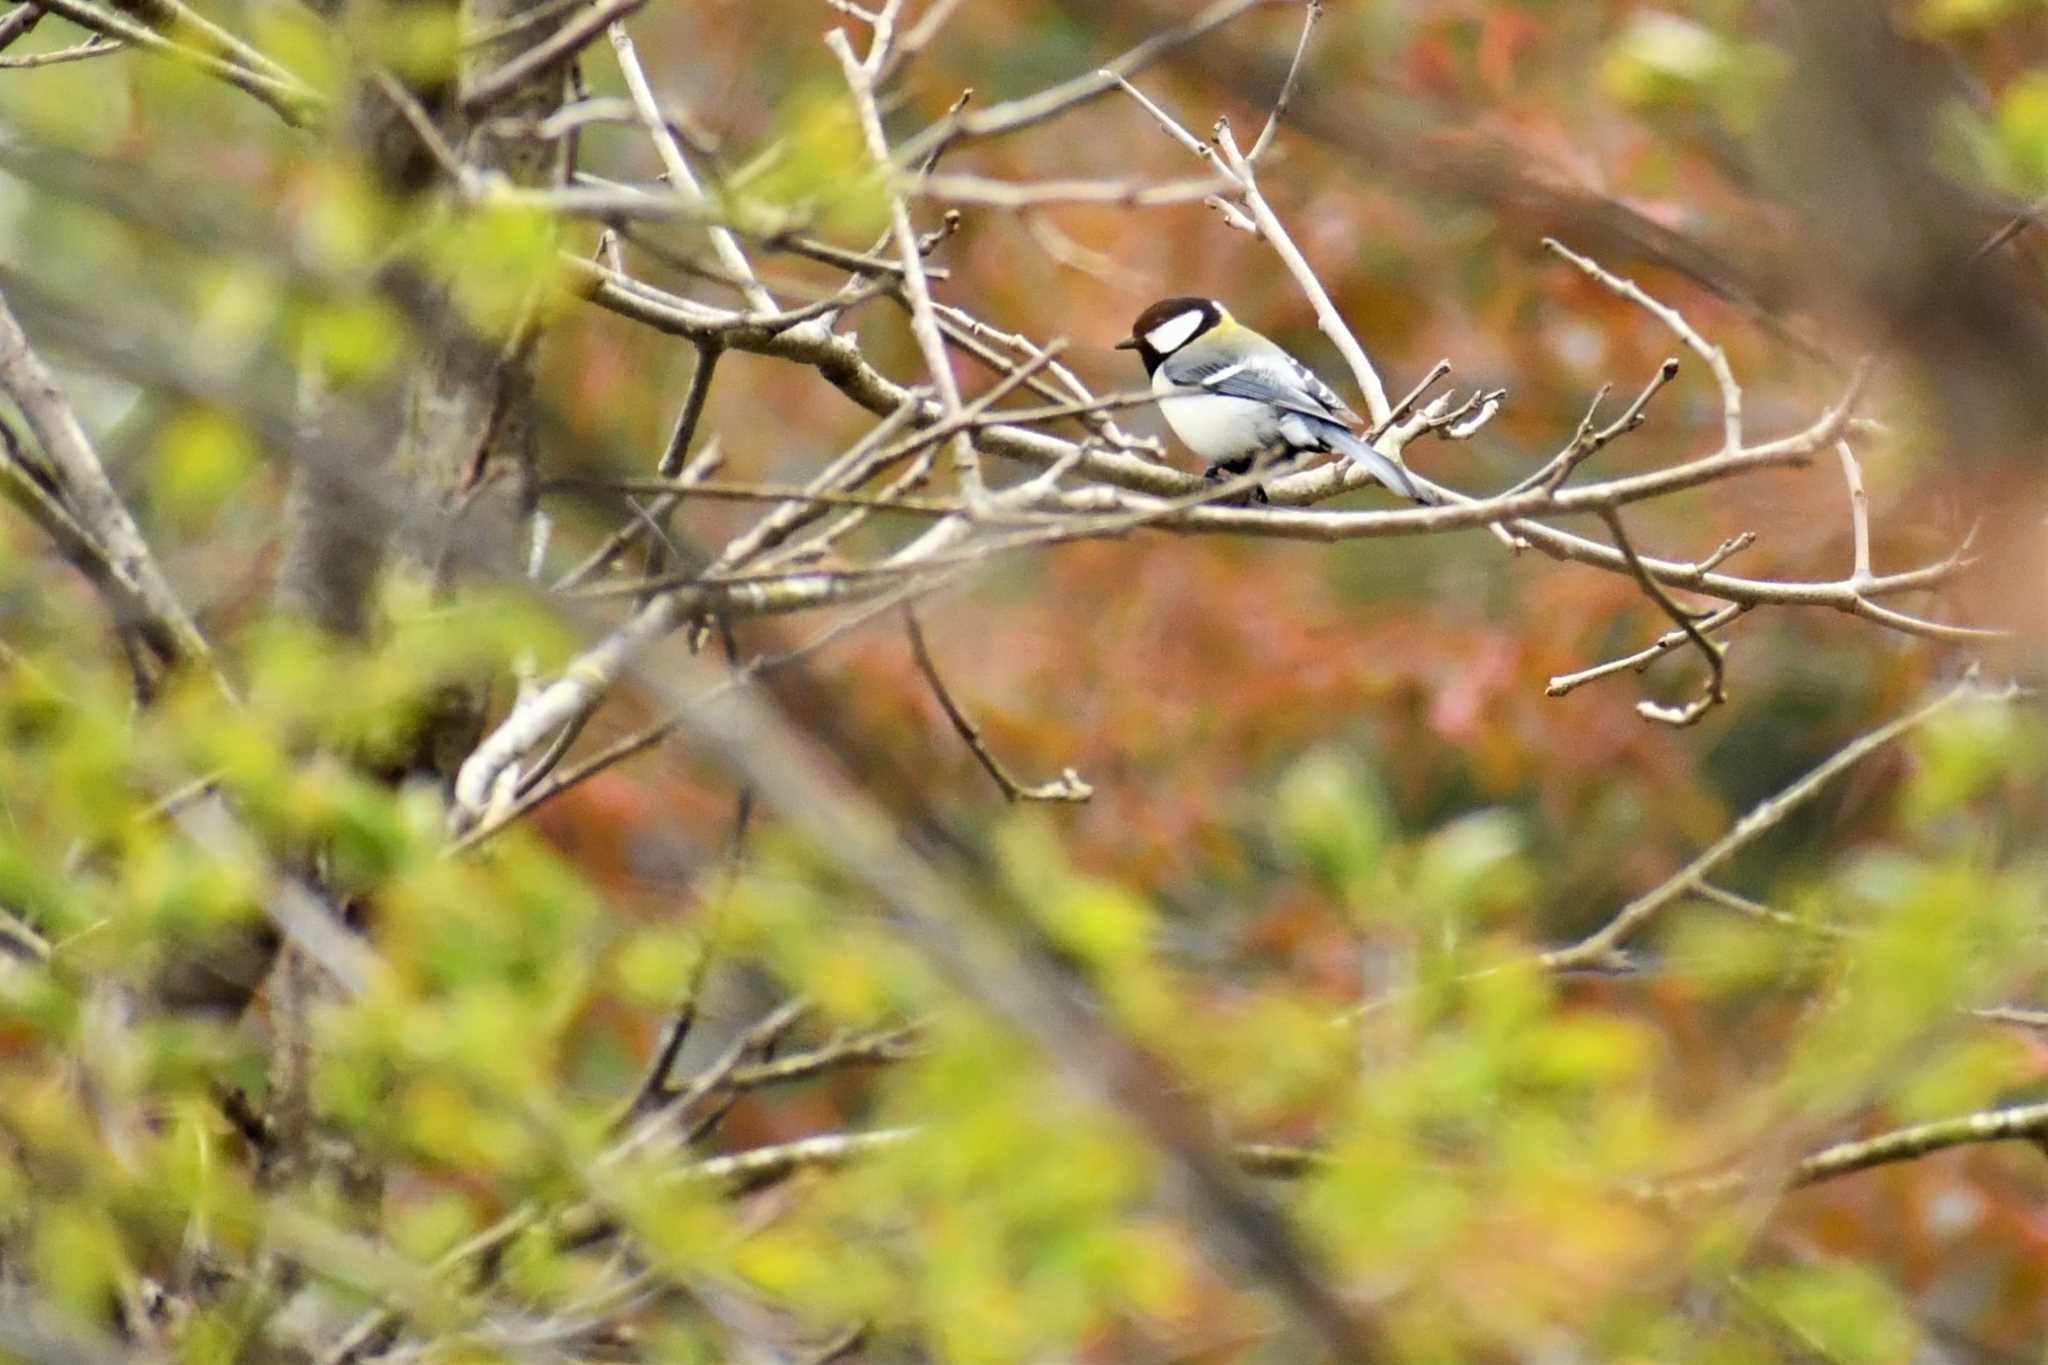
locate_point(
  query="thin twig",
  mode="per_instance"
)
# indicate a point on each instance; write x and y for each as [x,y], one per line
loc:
[1327,317]
[642,1127]
[1009,194]
[465,177]
[677,451]
[2016,1015]
[1717,667]
[80,483]
[178,16]
[1020,113]
[924,326]
[762,1166]
[1644,657]
[1408,400]
[790,493]
[1068,786]
[839,360]
[681,179]
[1603,946]
[1715,358]
[17,23]
[2022,1122]
[92,47]
[481,95]
[640,741]
[1588,441]
[30,488]
[1859,513]
[879,1047]
[18,940]
[702,466]
[533,16]
[1313,11]
[293,101]
[1764,914]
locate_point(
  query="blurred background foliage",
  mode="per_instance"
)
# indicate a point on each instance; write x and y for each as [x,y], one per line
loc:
[1334,813]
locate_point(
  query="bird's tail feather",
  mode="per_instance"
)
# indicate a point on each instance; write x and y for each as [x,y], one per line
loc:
[1387,471]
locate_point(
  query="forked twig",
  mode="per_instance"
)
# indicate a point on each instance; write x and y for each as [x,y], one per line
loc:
[1717,675]
[1715,358]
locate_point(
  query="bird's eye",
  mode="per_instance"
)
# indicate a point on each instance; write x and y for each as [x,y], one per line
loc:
[1174,332]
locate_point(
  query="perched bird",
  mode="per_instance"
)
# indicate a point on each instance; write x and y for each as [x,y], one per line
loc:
[1232,395]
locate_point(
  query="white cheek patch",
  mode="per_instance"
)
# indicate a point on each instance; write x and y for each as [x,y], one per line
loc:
[1173,333]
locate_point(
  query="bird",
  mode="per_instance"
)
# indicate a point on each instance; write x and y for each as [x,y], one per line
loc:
[1231,395]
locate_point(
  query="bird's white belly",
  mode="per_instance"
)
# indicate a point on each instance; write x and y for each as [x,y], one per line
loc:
[1213,426]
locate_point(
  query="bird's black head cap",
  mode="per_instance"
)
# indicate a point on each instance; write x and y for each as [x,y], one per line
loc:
[1168,325]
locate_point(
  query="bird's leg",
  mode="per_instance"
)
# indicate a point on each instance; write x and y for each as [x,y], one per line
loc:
[1224,470]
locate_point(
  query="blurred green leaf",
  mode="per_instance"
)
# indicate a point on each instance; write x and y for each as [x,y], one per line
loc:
[1663,62]
[1842,1309]
[1328,813]
[1472,868]
[352,340]
[2022,122]
[78,1258]
[818,171]
[656,968]
[502,262]
[1943,18]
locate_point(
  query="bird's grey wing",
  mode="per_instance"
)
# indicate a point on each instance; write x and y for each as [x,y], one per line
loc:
[1274,383]
[1279,384]
[1322,392]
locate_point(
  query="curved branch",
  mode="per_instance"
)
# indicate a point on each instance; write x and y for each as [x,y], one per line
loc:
[1602,948]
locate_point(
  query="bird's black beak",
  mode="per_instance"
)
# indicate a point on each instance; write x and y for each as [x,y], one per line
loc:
[1127,344]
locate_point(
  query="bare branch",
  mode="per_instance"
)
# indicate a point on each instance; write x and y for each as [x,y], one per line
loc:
[791,493]
[839,361]
[924,325]
[1327,318]
[640,741]
[1312,11]
[1408,400]
[702,466]
[1239,169]
[1716,360]
[1764,914]
[1046,104]
[1603,946]
[680,178]
[1068,786]
[2020,1122]
[655,1120]
[1717,671]
[460,173]
[79,482]
[19,941]
[2015,1015]
[1587,441]
[1859,514]
[1644,657]
[1004,194]
[487,91]
[18,22]
[878,1047]
[670,465]
[85,51]
[28,488]
[292,100]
